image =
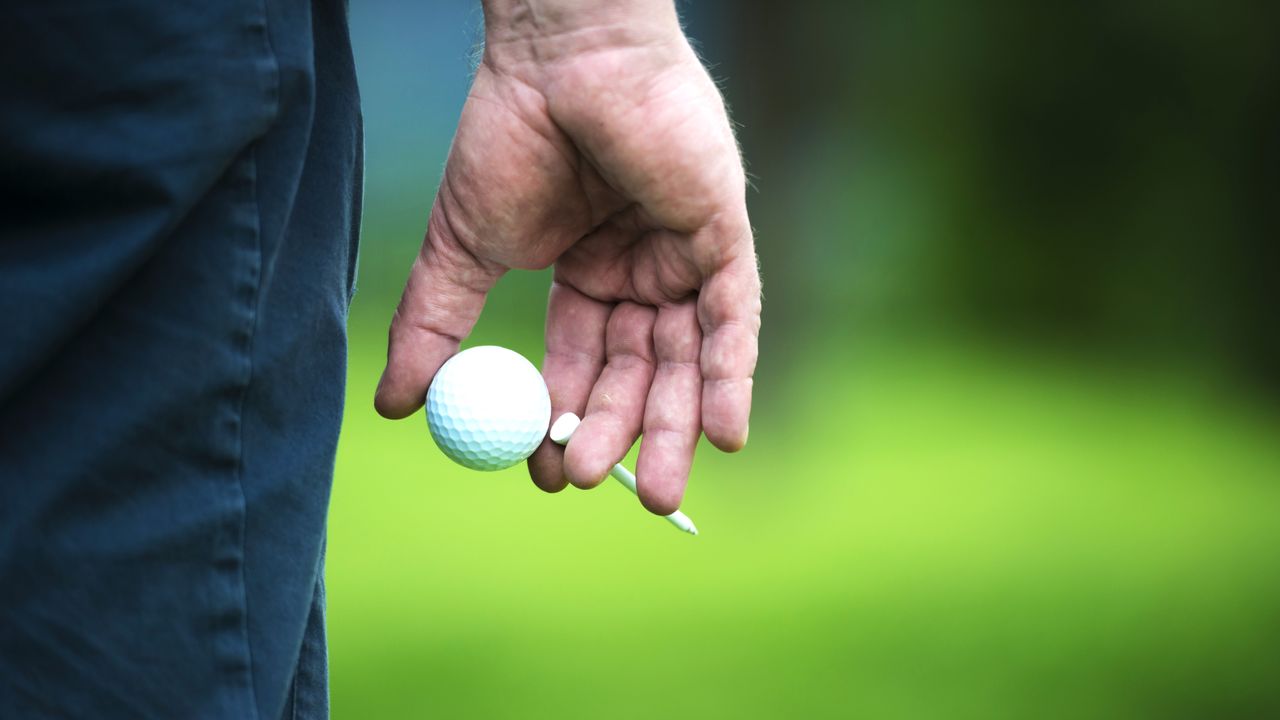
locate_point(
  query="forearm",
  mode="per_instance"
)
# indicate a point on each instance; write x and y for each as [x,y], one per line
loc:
[542,31]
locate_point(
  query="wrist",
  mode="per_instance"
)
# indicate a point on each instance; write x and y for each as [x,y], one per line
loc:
[540,32]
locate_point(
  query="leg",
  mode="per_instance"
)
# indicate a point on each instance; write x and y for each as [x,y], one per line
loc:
[157,467]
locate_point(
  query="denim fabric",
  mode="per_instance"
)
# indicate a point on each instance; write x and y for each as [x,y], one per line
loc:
[180,191]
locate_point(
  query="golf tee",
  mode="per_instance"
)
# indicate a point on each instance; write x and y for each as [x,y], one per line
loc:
[564,427]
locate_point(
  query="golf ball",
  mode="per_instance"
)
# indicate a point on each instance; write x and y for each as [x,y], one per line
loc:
[488,408]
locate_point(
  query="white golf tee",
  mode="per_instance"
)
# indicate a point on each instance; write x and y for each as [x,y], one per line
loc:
[563,428]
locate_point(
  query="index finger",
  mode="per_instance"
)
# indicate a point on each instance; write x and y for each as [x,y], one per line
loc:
[575,355]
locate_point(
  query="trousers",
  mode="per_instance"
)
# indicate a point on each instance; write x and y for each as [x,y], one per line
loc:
[181,188]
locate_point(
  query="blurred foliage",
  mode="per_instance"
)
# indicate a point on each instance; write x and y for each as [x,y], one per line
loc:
[1012,455]
[1099,173]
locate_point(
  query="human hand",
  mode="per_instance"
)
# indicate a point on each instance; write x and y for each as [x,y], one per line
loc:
[593,139]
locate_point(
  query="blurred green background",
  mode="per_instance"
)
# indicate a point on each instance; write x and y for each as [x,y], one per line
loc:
[1014,452]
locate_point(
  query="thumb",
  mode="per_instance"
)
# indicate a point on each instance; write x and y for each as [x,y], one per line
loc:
[441,301]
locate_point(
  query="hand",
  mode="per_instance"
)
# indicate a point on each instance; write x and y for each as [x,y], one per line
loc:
[606,150]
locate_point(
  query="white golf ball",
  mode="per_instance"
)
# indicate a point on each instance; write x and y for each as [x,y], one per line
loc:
[488,408]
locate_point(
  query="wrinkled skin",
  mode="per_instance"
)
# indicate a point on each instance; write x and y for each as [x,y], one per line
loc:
[607,153]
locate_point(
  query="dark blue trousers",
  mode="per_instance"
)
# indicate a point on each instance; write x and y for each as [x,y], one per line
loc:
[180,184]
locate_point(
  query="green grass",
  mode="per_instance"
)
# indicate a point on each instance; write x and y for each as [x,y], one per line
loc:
[915,531]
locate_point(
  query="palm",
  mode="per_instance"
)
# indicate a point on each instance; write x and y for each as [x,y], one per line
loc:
[624,174]
[529,194]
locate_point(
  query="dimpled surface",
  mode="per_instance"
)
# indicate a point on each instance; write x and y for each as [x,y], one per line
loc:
[488,408]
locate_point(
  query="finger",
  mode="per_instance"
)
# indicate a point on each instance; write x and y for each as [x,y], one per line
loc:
[729,314]
[615,409]
[575,354]
[440,304]
[672,410]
